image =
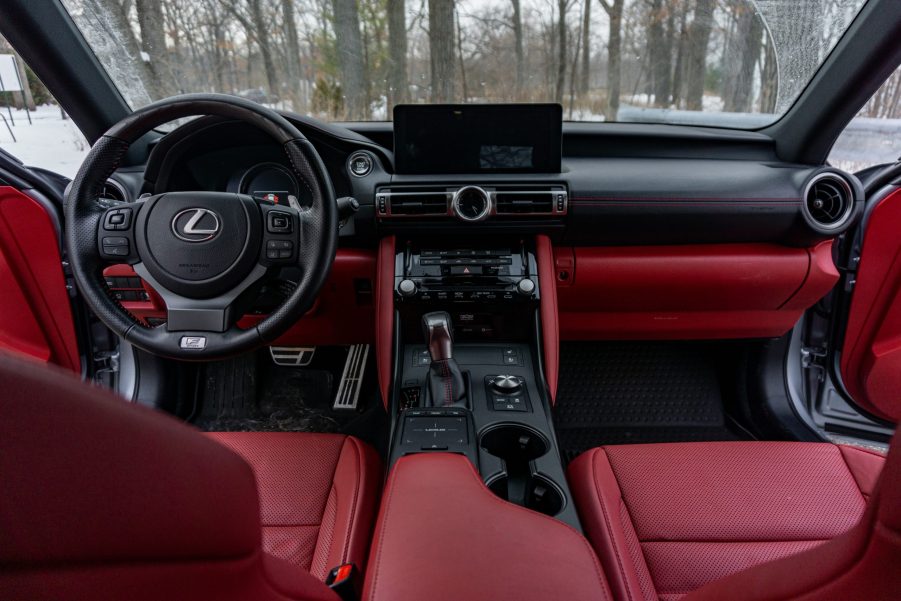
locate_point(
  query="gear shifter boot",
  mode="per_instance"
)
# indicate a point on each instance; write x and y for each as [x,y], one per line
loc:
[446,385]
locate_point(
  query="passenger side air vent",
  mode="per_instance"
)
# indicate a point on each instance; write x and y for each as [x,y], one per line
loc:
[525,202]
[828,202]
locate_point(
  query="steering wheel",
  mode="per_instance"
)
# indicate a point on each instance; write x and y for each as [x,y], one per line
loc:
[200,250]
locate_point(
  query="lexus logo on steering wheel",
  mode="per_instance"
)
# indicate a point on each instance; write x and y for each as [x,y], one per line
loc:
[196,225]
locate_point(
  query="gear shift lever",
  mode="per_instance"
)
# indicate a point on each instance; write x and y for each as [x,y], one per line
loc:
[446,385]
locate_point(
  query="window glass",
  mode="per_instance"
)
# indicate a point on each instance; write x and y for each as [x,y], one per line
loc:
[33,128]
[726,63]
[873,137]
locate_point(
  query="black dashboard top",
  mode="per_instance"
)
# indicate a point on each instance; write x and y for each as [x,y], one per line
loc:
[622,184]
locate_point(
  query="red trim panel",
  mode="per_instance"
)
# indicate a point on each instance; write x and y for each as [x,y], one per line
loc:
[340,314]
[35,314]
[384,315]
[550,327]
[871,357]
[689,292]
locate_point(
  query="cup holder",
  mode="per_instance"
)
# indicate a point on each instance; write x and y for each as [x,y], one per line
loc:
[534,492]
[514,443]
[517,447]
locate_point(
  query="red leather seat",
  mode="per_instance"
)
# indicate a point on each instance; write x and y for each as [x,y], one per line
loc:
[102,499]
[667,519]
[318,495]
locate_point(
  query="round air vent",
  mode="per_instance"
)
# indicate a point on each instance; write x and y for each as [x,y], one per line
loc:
[828,202]
[113,192]
[471,203]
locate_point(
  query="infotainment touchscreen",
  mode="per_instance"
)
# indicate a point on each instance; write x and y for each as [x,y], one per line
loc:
[477,138]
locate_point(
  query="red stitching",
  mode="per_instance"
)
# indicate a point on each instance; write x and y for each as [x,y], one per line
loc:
[603,505]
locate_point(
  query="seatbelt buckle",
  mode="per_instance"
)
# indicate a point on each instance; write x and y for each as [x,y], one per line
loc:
[345,581]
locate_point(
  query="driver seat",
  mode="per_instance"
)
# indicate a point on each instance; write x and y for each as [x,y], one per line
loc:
[106,500]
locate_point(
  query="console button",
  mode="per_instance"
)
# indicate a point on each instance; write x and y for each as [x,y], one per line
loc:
[407,288]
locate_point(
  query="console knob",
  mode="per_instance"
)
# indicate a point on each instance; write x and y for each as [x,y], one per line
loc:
[506,384]
[525,287]
[407,288]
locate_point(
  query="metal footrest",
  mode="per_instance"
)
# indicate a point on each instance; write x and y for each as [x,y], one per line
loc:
[352,378]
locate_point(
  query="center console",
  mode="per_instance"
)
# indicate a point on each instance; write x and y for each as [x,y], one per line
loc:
[468,367]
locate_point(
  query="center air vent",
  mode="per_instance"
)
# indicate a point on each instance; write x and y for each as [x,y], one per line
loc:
[828,202]
[473,203]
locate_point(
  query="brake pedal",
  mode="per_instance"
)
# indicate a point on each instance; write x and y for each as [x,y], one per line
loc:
[292,356]
[352,378]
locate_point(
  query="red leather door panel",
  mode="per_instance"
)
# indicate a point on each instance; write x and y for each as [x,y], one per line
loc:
[35,313]
[871,354]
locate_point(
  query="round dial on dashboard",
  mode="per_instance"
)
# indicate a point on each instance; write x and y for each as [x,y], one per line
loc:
[471,203]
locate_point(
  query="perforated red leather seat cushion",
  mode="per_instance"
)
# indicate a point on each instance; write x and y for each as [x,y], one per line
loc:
[666,519]
[318,495]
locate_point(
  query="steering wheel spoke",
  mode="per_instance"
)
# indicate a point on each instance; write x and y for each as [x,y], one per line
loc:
[116,234]
[281,235]
[215,314]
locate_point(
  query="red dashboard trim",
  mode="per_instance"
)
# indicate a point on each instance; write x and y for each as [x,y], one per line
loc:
[338,316]
[550,327]
[384,315]
[690,292]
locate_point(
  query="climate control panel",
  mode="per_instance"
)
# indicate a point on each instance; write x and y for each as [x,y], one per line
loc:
[503,274]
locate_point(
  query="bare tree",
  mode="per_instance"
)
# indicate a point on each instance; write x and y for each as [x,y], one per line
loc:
[740,57]
[696,64]
[292,62]
[441,49]
[398,91]
[614,10]
[562,7]
[585,73]
[519,48]
[153,43]
[350,57]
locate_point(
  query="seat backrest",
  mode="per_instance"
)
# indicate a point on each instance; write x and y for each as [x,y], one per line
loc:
[106,500]
[864,563]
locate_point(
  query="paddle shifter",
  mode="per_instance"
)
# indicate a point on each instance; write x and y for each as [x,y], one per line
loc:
[446,386]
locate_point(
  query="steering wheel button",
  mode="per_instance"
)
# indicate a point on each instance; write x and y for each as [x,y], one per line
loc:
[115,241]
[116,251]
[284,254]
[272,254]
[279,223]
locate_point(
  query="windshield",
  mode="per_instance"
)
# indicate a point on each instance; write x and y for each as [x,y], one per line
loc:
[728,63]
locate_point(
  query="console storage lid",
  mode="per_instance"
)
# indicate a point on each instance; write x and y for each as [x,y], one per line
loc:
[441,534]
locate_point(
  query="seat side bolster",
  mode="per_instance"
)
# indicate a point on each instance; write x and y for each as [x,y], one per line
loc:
[355,488]
[865,466]
[608,526]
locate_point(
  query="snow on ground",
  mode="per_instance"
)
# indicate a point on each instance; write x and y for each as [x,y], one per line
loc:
[49,141]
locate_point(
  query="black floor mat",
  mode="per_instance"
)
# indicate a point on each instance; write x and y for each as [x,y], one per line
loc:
[250,394]
[637,392]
